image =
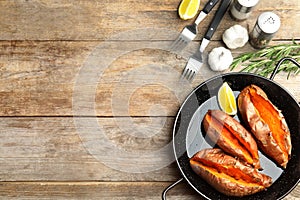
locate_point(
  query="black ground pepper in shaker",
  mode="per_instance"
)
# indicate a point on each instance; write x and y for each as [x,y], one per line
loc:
[241,9]
[267,24]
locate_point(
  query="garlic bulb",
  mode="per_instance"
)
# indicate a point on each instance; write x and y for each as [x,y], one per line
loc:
[235,37]
[220,59]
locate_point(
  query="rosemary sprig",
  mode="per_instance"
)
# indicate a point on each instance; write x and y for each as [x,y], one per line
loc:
[263,61]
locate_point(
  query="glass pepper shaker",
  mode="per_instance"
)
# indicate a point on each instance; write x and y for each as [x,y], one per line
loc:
[241,9]
[267,24]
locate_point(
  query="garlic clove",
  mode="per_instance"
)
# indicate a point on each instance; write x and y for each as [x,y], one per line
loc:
[235,37]
[219,59]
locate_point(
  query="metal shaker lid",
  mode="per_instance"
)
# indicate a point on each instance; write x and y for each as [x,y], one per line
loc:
[248,3]
[268,22]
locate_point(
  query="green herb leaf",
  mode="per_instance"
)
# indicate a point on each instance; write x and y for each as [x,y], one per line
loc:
[264,61]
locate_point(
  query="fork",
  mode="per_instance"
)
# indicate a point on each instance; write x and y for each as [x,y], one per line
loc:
[195,62]
[190,31]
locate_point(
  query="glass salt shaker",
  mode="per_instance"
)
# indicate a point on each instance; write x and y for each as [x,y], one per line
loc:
[267,24]
[241,9]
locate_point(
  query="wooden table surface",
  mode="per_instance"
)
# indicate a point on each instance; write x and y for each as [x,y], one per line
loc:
[89,93]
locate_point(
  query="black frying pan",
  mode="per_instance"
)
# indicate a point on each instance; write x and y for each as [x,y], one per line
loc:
[188,136]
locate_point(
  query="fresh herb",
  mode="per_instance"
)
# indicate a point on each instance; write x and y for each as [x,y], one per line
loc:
[263,62]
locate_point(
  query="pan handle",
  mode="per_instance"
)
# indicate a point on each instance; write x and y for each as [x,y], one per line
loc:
[164,194]
[278,65]
[280,62]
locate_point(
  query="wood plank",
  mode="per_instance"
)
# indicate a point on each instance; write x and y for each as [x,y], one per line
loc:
[54,149]
[94,190]
[102,190]
[99,20]
[133,78]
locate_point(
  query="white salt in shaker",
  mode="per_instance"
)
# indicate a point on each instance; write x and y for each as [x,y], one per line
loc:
[267,24]
[241,9]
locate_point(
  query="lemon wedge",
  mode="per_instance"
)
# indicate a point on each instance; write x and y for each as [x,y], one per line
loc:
[188,9]
[227,100]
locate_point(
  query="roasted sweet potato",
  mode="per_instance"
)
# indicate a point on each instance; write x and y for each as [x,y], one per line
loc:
[266,123]
[226,174]
[231,136]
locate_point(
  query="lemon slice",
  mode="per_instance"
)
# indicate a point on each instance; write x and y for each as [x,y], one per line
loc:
[227,100]
[188,9]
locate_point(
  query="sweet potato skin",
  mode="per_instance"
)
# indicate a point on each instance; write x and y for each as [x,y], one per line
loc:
[229,184]
[245,141]
[261,130]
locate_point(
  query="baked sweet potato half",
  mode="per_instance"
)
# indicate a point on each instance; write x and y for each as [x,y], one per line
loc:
[266,123]
[231,136]
[226,174]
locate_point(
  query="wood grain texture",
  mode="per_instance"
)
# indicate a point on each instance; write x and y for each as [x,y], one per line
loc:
[99,20]
[94,190]
[51,149]
[139,78]
[102,190]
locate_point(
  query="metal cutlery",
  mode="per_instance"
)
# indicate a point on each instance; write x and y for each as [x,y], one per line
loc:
[196,60]
[190,31]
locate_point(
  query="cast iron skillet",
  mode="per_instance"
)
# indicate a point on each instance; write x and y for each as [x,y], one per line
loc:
[188,136]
